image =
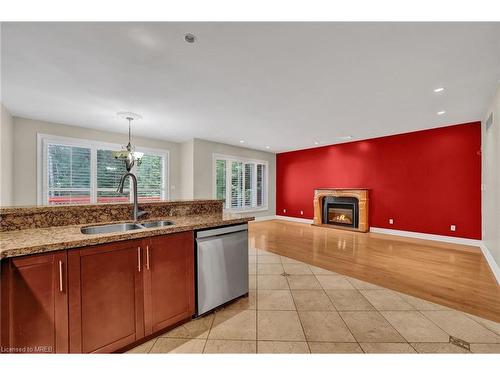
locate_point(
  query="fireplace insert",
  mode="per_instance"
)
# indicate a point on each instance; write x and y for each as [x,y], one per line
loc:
[343,211]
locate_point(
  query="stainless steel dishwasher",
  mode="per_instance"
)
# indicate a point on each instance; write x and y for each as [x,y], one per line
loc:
[222,266]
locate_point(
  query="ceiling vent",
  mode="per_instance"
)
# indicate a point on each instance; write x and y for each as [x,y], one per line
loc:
[489,122]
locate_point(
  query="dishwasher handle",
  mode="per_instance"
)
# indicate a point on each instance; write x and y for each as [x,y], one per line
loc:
[220,231]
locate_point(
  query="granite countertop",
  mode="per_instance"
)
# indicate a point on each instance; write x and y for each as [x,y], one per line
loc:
[39,240]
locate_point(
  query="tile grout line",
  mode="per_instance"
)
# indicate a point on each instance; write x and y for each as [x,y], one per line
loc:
[449,334]
[152,346]
[357,278]
[297,311]
[379,312]
[340,316]
[480,323]
[208,334]
[347,326]
[439,327]
[394,328]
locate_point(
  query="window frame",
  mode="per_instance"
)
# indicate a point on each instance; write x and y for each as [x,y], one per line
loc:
[230,159]
[43,140]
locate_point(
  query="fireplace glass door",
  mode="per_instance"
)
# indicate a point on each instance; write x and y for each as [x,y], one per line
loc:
[341,211]
[341,214]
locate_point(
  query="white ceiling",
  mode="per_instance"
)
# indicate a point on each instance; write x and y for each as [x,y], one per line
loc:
[283,85]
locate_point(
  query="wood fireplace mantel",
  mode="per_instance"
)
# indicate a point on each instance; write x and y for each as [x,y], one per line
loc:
[360,194]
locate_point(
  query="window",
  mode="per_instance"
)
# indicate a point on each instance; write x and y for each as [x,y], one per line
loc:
[242,184]
[68,178]
[75,171]
[149,178]
[109,173]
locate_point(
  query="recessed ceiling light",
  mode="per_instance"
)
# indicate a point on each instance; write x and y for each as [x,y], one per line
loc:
[439,89]
[242,141]
[190,38]
[316,143]
[441,113]
[268,147]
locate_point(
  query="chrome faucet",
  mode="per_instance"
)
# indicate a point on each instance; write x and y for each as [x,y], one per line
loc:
[136,213]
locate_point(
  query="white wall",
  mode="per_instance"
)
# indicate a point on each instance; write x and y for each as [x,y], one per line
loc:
[191,169]
[25,154]
[203,169]
[491,180]
[6,157]
[186,170]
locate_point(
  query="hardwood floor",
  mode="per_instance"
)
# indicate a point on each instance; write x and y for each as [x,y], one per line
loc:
[456,276]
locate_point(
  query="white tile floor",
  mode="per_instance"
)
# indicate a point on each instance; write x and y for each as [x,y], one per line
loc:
[294,307]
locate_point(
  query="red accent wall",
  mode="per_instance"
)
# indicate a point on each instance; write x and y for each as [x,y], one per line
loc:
[425,180]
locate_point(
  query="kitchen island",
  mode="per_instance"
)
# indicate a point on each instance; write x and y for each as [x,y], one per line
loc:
[68,292]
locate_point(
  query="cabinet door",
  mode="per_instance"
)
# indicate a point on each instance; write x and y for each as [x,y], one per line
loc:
[105,297]
[168,280]
[35,304]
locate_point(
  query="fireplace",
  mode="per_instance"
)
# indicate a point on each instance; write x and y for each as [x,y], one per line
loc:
[343,211]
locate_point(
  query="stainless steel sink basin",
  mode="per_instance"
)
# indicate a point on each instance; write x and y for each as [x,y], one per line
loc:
[158,223]
[123,227]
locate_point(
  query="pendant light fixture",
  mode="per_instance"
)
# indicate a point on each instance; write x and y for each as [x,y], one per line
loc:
[128,154]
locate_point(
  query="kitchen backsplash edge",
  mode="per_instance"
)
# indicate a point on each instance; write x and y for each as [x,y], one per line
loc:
[18,218]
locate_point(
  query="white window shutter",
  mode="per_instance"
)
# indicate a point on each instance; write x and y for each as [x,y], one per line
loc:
[241,183]
[237,177]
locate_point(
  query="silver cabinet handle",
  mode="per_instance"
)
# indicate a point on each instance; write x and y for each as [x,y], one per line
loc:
[147,257]
[60,276]
[139,258]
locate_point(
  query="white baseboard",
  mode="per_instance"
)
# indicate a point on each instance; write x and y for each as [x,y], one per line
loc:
[296,219]
[427,236]
[402,233]
[491,262]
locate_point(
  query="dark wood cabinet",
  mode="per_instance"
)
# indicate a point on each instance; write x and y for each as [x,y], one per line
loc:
[168,280]
[97,299]
[105,301]
[35,304]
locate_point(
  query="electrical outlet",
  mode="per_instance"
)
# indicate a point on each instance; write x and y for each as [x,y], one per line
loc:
[453,228]
[301,212]
[391,221]
[284,210]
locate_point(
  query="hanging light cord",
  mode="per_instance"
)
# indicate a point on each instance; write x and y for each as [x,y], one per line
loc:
[129,120]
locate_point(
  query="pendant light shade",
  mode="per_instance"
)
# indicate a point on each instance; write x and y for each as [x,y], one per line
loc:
[128,154]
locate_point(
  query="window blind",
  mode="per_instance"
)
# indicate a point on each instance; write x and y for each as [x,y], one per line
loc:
[249,187]
[242,184]
[150,178]
[72,173]
[220,180]
[260,184]
[68,174]
[109,173]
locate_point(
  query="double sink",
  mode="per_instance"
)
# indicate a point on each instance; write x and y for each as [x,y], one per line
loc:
[124,227]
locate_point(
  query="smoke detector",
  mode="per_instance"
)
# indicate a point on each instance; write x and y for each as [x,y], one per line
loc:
[190,38]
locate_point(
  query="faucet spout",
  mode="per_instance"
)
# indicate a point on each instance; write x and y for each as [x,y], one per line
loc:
[122,183]
[135,213]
